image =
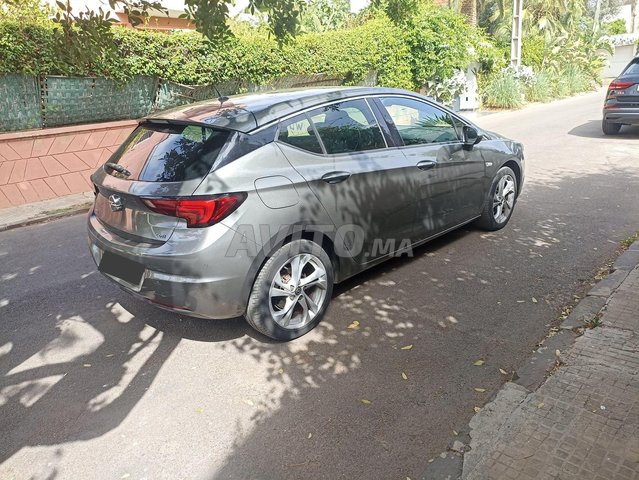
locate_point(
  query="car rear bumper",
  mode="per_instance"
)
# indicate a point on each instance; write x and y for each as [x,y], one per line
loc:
[202,282]
[628,116]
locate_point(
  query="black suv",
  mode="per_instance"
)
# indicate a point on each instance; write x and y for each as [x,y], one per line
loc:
[622,100]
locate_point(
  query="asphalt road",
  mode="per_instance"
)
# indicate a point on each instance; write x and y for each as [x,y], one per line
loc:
[95,384]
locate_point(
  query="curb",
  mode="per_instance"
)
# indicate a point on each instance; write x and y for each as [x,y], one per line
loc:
[451,464]
[46,217]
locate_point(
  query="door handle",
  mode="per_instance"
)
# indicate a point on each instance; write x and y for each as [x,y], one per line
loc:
[426,164]
[335,177]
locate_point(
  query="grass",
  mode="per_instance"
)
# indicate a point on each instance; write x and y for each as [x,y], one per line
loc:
[502,91]
[540,90]
[594,322]
[625,244]
[576,79]
[62,211]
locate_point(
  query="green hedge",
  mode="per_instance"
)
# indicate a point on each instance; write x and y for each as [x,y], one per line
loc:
[434,43]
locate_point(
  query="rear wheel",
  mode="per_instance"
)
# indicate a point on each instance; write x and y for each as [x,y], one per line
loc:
[500,202]
[292,291]
[610,128]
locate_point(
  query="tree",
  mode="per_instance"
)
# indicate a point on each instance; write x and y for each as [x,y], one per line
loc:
[607,8]
[469,9]
[209,16]
[31,11]
[399,11]
[323,15]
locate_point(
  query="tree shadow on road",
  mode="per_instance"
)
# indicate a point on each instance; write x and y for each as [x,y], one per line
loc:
[429,318]
[73,361]
[348,412]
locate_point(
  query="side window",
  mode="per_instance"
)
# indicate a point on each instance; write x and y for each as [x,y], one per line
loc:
[298,132]
[419,123]
[632,69]
[348,126]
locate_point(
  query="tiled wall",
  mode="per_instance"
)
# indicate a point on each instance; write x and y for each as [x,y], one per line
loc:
[45,165]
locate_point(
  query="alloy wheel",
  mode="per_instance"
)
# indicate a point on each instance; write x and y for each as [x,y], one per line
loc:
[504,198]
[298,291]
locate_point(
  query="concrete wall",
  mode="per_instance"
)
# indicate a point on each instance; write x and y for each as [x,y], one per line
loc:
[617,62]
[43,164]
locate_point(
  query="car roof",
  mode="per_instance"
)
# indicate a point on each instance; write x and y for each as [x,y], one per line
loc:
[250,111]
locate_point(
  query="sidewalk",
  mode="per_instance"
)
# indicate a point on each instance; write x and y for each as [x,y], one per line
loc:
[45,210]
[583,421]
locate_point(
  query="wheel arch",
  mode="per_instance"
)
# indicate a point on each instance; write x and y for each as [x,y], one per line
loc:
[514,166]
[294,232]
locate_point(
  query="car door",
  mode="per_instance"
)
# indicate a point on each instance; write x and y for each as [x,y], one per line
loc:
[363,183]
[449,177]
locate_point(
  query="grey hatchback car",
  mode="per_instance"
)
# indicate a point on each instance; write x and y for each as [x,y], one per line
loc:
[258,204]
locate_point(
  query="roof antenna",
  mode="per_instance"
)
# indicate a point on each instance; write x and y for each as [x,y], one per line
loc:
[222,99]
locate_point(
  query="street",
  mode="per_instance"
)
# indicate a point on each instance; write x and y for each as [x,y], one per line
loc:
[96,384]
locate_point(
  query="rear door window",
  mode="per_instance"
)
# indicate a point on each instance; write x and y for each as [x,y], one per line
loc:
[298,132]
[348,126]
[420,123]
[632,69]
[170,152]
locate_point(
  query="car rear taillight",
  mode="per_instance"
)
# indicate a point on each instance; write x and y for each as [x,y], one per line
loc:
[619,85]
[197,211]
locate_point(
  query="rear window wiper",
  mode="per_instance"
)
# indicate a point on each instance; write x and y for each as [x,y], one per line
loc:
[118,168]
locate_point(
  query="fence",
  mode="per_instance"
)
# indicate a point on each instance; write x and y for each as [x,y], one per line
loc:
[19,103]
[28,102]
[52,101]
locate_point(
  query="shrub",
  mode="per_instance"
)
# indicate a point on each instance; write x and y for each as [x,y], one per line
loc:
[616,27]
[502,90]
[439,43]
[28,48]
[559,85]
[577,80]
[352,53]
[533,51]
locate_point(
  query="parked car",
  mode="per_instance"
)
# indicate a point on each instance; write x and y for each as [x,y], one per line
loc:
[622,100]
[258,204]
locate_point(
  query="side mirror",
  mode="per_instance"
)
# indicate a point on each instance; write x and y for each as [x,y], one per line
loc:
[471,137]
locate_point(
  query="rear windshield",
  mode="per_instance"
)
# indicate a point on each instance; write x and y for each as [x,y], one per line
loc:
[169,152]
[633,68]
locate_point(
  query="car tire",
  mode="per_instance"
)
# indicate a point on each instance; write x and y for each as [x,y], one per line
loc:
[494,215]
[610,128]
[285,272]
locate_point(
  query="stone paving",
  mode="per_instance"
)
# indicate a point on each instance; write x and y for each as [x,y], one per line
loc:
[583,422]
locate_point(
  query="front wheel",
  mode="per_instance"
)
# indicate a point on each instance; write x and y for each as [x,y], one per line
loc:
[500,202]
[292,291]
[610,128]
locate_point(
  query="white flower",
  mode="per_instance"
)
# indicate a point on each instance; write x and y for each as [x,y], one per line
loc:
[522,73]
[447,89]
